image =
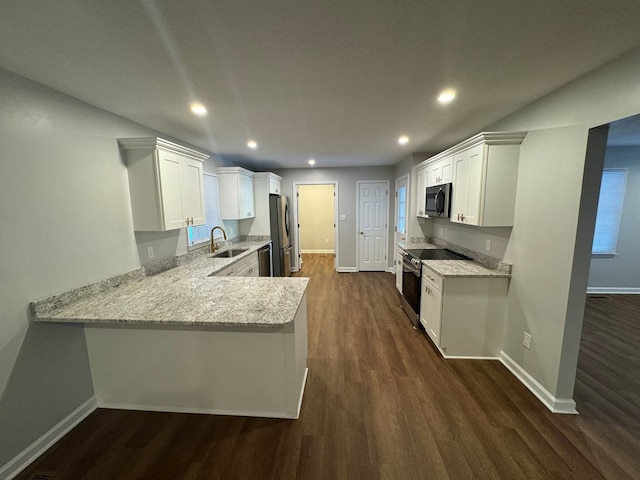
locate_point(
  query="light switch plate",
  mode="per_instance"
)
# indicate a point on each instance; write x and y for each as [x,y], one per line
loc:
[526,340]
[487,245]
[150,253]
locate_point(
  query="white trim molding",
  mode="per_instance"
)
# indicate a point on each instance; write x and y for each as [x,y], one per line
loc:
[555,405]
[296,221]
[318,251]
[46,441]
[614,290]
[347,269]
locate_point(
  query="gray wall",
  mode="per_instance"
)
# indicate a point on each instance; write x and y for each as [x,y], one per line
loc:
[347,201]
[622,272]
[64,205]
[550,242]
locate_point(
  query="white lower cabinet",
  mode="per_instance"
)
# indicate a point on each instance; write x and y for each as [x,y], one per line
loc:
[464,316]
[399,258]
[245,267]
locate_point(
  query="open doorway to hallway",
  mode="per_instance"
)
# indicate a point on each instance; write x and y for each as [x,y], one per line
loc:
[607,386]
[315,220]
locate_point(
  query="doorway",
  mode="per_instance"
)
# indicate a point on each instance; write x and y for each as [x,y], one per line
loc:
[315,214]
[372,213]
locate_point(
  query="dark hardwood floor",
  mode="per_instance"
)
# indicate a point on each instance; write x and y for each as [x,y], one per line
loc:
[380,403]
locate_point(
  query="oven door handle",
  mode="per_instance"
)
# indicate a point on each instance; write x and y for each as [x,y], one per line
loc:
[409,267]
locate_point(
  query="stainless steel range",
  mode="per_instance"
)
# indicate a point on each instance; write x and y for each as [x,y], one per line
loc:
[412,275]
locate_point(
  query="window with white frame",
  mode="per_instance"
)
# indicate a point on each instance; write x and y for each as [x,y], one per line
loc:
[200,234]
[612,188]
[402,209]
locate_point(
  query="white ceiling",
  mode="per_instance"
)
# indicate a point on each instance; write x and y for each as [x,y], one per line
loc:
[338,81]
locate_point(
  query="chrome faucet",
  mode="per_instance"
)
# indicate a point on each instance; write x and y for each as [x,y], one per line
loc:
[224,234]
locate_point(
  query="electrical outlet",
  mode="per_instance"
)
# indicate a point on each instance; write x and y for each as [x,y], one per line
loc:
[150,253]
[487,245]
[440,230]
[326,240]
[526,340]
[231,232]
[343,216]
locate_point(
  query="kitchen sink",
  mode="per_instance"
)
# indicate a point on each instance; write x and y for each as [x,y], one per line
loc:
[229,253]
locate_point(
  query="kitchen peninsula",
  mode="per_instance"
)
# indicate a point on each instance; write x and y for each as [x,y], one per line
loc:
[186,341]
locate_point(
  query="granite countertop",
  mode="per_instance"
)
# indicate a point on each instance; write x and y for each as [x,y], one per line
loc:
[407,245]
[455,268]
[186,296]
[463,268]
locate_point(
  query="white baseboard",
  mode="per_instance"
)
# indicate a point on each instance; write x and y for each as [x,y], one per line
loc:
[467,357]
[391,270]
[46,441]
[555,405]
[318,251]
[347,270]
[614,290]
[203,411]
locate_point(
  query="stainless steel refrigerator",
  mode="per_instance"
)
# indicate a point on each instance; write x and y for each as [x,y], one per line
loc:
[280,235]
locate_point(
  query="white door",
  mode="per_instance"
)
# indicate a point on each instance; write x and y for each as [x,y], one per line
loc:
[372,231]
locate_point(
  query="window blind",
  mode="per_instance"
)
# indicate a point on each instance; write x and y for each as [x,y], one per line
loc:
[612,188]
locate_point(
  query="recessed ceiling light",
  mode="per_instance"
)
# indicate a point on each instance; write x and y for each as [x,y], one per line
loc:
[446,96]
[403,140]
[199,109]
[311,161]
[252,144]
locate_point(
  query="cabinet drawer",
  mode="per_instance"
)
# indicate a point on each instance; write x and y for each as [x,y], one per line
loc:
[250,271]
[431,278]
[226,272]
[245,262]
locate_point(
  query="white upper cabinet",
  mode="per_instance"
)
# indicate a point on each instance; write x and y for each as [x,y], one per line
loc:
[440,172]
[236,193]
[274,183]
[485,179]
[165,183]
[421,188]
[264,184]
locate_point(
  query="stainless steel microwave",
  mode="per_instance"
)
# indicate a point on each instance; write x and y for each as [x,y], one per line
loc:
[438,200]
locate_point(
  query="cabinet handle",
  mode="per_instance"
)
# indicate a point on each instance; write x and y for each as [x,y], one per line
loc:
[462,217]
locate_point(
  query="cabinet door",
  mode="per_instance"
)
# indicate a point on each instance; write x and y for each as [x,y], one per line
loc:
[421,187]
[446,170]
[245,188]
[431,312]
[399,271]
[274,186]
[192,191]
[169,165]
[467,186]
